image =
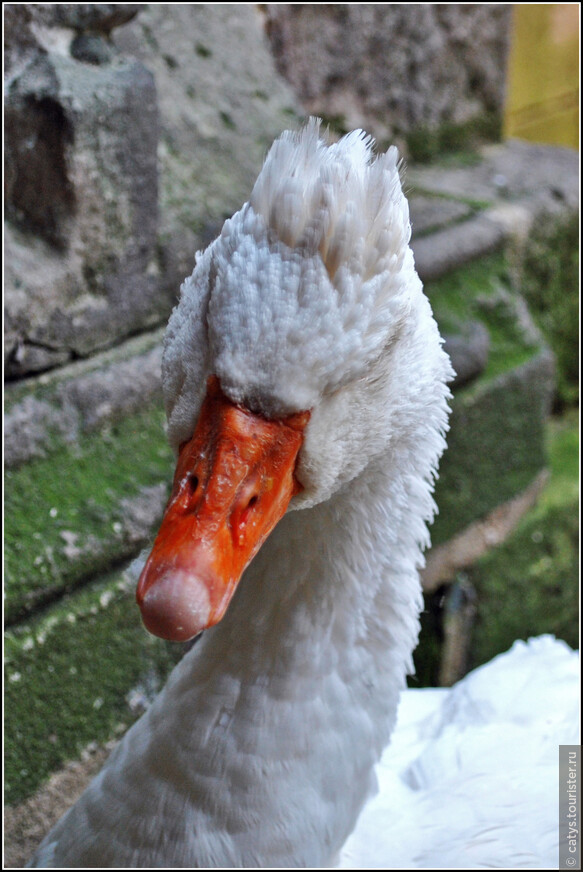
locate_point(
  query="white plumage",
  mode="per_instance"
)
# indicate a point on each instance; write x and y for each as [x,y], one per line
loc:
[470,779]
[261,749]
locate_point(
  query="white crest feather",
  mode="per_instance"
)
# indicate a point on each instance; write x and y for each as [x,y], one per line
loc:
[305,285]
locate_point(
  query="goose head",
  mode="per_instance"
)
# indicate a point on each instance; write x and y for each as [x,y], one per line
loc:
[302,348]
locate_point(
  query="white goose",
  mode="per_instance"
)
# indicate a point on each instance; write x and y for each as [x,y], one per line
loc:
[303,370]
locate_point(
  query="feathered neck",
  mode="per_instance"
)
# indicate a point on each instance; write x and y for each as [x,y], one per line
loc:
[260,750]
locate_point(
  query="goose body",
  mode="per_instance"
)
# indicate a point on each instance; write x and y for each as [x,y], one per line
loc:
[306,311]
[470,778]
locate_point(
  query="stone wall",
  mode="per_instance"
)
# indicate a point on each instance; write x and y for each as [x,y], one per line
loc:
[393,68]
[131,133]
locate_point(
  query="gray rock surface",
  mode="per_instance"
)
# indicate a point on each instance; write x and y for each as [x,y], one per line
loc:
[468,352]
[429,214]
[441,252]
[96,248]
[507,172]
[393,67]
[92,17]
[222,103]
[81,199]
[61,406]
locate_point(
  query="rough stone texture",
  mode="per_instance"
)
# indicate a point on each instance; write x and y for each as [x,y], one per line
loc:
[222,103]
[538,175]
[81,199]
[29,27]
[96,17]
[87,263]
[467,546]
[441,252]
[23,20]
[429,214]
[59,408]
[468,352]
[392,68]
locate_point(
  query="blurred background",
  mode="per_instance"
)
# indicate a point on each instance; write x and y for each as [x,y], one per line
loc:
[131,132]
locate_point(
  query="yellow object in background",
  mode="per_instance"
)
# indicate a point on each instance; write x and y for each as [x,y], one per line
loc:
[542,101]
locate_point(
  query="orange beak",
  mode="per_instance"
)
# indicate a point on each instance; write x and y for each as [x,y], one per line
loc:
[233,482]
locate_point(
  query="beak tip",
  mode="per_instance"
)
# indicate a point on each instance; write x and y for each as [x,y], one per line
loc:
[176,606]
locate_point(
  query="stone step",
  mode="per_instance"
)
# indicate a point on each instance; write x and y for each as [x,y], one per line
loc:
[446,250]
[512,171]
[48,412]
[502,192]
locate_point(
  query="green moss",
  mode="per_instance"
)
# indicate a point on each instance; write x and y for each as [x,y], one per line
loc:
[454,296]
[459,295]
[496,447]
[67,676]
[481,291]
[496,438]
[336,124]
[530,584]
[509,346]
[474,203]
[451,144]
[71,504]
[563,442]
[530,587]
[549,279]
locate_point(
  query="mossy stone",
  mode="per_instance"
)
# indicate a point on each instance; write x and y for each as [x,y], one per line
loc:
[66,516]
[67,678]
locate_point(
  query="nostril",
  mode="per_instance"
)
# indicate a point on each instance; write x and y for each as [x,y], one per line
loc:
[241,517]
[187,497]
[243,514]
